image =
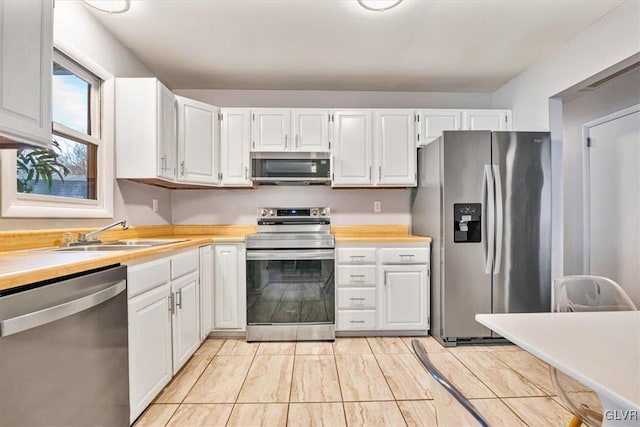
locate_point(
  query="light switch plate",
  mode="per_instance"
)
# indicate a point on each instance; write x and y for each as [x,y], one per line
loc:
[377,206]
[154,205]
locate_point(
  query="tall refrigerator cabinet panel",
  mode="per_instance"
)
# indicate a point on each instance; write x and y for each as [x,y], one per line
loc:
[485,199]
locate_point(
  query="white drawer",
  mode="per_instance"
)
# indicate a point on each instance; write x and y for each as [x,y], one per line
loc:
[351,298]
[356,255]
[405,256]
[356,320]
[143,277]
[184,263]
[356,275]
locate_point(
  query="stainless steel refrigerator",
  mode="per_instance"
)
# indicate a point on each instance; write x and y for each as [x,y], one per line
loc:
[485,199]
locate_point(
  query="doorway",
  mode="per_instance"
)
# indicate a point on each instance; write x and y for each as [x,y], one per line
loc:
[612,199]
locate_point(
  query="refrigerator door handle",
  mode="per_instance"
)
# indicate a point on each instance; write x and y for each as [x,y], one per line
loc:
[499,219]
[488,202]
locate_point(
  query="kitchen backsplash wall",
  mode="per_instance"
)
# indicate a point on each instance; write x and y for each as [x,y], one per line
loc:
[348,207]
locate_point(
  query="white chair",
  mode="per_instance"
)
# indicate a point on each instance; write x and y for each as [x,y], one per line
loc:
[584,293]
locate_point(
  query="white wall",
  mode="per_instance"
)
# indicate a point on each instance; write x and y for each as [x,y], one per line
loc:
[337,99]
[609,41]
[348,207]
[77,32]
[616,95]
[612,39]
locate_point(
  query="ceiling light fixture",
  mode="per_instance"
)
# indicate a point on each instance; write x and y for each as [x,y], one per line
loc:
[379,5]
[109,6]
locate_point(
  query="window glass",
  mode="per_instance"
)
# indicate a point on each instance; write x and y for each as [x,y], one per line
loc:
[71,106]
[69,168]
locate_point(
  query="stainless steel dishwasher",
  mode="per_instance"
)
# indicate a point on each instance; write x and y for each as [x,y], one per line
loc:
[63,352]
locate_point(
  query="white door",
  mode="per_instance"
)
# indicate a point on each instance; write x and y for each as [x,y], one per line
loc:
[186,318]
[206,291]
[271,130]
[235,143]
[405,300]
[226,287]
[433,122]
[494,120]
[150,367]
[395,147]
[198,141]
[26,46]
[352,160]
[310,130]
[614,201]
[166,133]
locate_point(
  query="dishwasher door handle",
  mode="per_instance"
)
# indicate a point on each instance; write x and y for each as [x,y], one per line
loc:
[57,312]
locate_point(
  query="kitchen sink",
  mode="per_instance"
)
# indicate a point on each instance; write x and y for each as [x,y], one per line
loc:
[100,248]
[120,245]
[134,242]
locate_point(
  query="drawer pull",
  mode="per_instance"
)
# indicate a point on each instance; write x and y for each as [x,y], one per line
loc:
[355,257]
[357,299]
[357,321]
[357,278]
[403,256]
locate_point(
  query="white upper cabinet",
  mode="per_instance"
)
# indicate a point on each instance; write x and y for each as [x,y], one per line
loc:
[432,122]
[278,130]
[270,129]
[26,49]
[310,130]
[352,149]
[145,129]
[494,120]
[395,138]
[198,142]
[234,150]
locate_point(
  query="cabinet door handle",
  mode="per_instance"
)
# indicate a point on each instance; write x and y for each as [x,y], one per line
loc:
[369,172]
[171,301]
[179,299]
[246,172]
[182,168]
[357,299]
[297,141]
[379,173]
[356,321]
[163,163]
[286,140]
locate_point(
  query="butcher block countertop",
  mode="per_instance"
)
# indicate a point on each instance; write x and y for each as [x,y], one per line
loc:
[24,257]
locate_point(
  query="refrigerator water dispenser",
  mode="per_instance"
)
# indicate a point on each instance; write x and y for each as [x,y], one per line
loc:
[466,222]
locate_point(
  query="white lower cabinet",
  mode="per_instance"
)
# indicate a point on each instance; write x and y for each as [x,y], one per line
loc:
[229,287]
[383,288]
[185,319]
[206,291]
[404,297]
[150,366]
[164,323]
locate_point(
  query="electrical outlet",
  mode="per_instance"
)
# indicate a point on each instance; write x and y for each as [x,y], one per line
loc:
[154,205]
[377,206]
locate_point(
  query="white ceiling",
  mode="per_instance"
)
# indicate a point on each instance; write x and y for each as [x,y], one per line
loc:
[421,45]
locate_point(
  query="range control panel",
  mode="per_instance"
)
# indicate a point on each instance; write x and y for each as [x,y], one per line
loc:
[293,212]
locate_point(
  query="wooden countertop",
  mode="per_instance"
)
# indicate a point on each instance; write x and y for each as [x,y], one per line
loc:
[25,259]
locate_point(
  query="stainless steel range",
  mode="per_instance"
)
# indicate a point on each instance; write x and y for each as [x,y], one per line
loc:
[290,276]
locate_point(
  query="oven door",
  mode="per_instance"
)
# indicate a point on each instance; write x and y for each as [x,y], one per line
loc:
[290,287]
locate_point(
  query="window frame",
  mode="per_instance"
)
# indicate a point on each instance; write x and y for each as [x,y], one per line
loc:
[101,134]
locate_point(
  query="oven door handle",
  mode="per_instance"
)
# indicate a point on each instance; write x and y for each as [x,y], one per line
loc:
[285,254]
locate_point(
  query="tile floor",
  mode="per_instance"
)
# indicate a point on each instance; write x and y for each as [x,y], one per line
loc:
[354,382]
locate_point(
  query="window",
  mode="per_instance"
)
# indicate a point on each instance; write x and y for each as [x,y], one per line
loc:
[73,178]
[68,169]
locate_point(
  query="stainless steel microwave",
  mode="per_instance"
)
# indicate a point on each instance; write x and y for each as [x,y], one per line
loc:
[291,170]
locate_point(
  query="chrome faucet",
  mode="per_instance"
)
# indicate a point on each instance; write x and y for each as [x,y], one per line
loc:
[83,238]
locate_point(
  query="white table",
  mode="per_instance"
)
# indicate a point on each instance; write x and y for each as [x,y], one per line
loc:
[599,349]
